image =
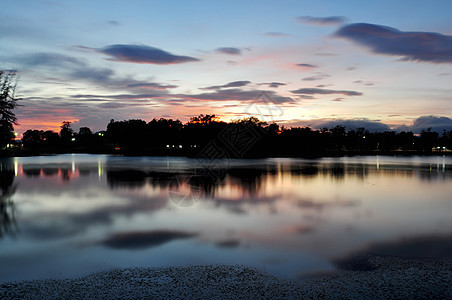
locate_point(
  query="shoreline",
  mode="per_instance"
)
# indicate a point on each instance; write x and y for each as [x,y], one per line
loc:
[390,278]
[26,153]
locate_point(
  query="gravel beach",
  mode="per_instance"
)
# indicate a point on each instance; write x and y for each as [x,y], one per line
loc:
[385,278]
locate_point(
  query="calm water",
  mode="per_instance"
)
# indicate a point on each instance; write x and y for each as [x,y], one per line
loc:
[70,215]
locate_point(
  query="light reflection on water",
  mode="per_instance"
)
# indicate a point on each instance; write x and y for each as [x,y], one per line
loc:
[70,215]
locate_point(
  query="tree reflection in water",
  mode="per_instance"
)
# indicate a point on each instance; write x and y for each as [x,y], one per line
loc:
[7,209]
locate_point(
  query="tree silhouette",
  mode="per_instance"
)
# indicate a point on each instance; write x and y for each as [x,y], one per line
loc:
[172,137]
[66,134]
[40,140]
[8,102]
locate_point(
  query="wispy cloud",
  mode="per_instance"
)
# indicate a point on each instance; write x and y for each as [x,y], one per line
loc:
[232,84]
[313,91]
[48,59]
[325,21]
[142,54]
[316,77]
[151,86]
[304,65]
[273,84]
[411,46]
[234,95]
[277,34]
[229,50]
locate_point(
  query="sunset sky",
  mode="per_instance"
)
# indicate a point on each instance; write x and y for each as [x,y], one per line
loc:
[379,64]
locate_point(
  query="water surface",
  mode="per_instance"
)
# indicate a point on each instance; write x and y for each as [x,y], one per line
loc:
[71,215]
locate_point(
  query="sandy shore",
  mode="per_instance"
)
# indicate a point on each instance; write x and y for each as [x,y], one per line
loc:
[390,278]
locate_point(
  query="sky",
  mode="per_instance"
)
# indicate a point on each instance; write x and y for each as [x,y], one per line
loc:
[379,64]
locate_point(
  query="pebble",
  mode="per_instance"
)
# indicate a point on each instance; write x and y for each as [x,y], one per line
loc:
[392,278]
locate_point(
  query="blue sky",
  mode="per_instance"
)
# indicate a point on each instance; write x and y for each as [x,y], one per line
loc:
[380,64]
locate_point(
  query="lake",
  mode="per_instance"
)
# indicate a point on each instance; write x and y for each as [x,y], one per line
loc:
[70,215]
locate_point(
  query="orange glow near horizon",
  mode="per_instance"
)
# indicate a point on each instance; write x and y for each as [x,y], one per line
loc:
[28,124]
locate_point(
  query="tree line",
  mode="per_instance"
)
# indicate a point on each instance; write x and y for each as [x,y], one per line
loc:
[207,136]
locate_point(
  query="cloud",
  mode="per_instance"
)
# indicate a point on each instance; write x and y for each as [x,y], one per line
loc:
[116,96]
[144,239]
[92,74]
[273,84]
[372,126]
[235,95]
[228,85]
[436,123]
[313,91]
[142,54]
[66,69]
[277,34]
[306,97]
[306,66]
[151,86]
[326,21]
[48,59]
[229,50]
[319,76]
[411,46]
[368,83]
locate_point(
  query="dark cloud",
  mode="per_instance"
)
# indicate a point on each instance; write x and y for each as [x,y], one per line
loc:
[273,84]
[117,96]
[436,123]
[306,65]
[151,86]
[353,124]
[416,46]
[229,50]
[235,95]
[142,54]
[277,34]
[338,99]
[326,21]
[240,83]
[313,91]
[373,126]
[66,69]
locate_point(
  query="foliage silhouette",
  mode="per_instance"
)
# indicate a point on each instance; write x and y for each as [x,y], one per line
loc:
[205,136]
[8,102]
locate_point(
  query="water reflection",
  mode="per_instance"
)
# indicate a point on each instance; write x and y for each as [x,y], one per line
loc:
[7,208]
[144,239]
[290,215]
